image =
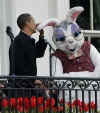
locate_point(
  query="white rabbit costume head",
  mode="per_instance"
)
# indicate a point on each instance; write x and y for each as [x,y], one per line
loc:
[67,35]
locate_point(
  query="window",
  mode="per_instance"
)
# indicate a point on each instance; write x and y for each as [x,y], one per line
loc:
[90,18]
[96,14]
[84,18]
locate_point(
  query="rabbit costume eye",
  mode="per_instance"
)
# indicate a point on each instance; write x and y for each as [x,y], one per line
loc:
[76,31]
[59,34]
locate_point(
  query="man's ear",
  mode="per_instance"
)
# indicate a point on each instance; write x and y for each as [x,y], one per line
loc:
[50,22]
[73,13]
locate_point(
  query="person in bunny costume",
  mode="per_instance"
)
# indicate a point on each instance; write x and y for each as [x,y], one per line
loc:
[73,57]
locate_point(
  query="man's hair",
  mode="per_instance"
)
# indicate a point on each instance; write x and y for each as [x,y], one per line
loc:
[22,19]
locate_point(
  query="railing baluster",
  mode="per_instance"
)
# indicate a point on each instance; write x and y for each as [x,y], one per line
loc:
[83,106]
[43,103]
[30,103]
[8,105]
[57,91]
[89,96]
[2,107]
[23,91]
[70,100]
[95,101]
[37,100]
[76,98]
[67,89]
[50,110]
[16,100]
[63,101]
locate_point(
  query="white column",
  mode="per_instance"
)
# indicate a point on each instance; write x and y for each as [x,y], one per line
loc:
[40,10]
[52,8]
[4,52]
[62,7]
[6,18]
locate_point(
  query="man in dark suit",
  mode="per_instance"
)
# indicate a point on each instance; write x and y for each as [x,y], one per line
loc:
[25,50]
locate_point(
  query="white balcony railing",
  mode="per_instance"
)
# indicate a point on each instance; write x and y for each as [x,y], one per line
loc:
[91,34]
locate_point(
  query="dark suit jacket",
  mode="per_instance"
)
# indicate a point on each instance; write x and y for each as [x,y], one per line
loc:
[23,63]
[25,52]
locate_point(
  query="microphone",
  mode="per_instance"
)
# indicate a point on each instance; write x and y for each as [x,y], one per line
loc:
[8,29]
[9,32]
[11,49]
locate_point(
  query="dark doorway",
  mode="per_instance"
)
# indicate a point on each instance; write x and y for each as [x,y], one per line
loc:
[84,19]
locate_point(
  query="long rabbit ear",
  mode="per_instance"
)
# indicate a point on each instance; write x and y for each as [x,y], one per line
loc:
[50,22]
[73,13]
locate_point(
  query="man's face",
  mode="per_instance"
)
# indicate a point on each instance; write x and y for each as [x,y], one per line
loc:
[31,25]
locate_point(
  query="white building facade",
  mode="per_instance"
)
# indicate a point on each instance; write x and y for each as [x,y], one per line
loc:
[40,10]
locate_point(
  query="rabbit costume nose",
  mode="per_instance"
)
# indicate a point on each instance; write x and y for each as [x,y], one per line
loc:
[70,41]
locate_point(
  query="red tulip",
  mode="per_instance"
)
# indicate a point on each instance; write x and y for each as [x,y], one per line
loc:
[26,100]
[33,101]
[60,108]
[5,103]
[74,103]
[40,100]
[46,106]
[92,105]
[68,104]
[27,106]
[86,108]
[13,102]
[20,108]
[81,109]
[79,103]
[41,109]
[20,101]
[52,102]
[54,109]
[61,100]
